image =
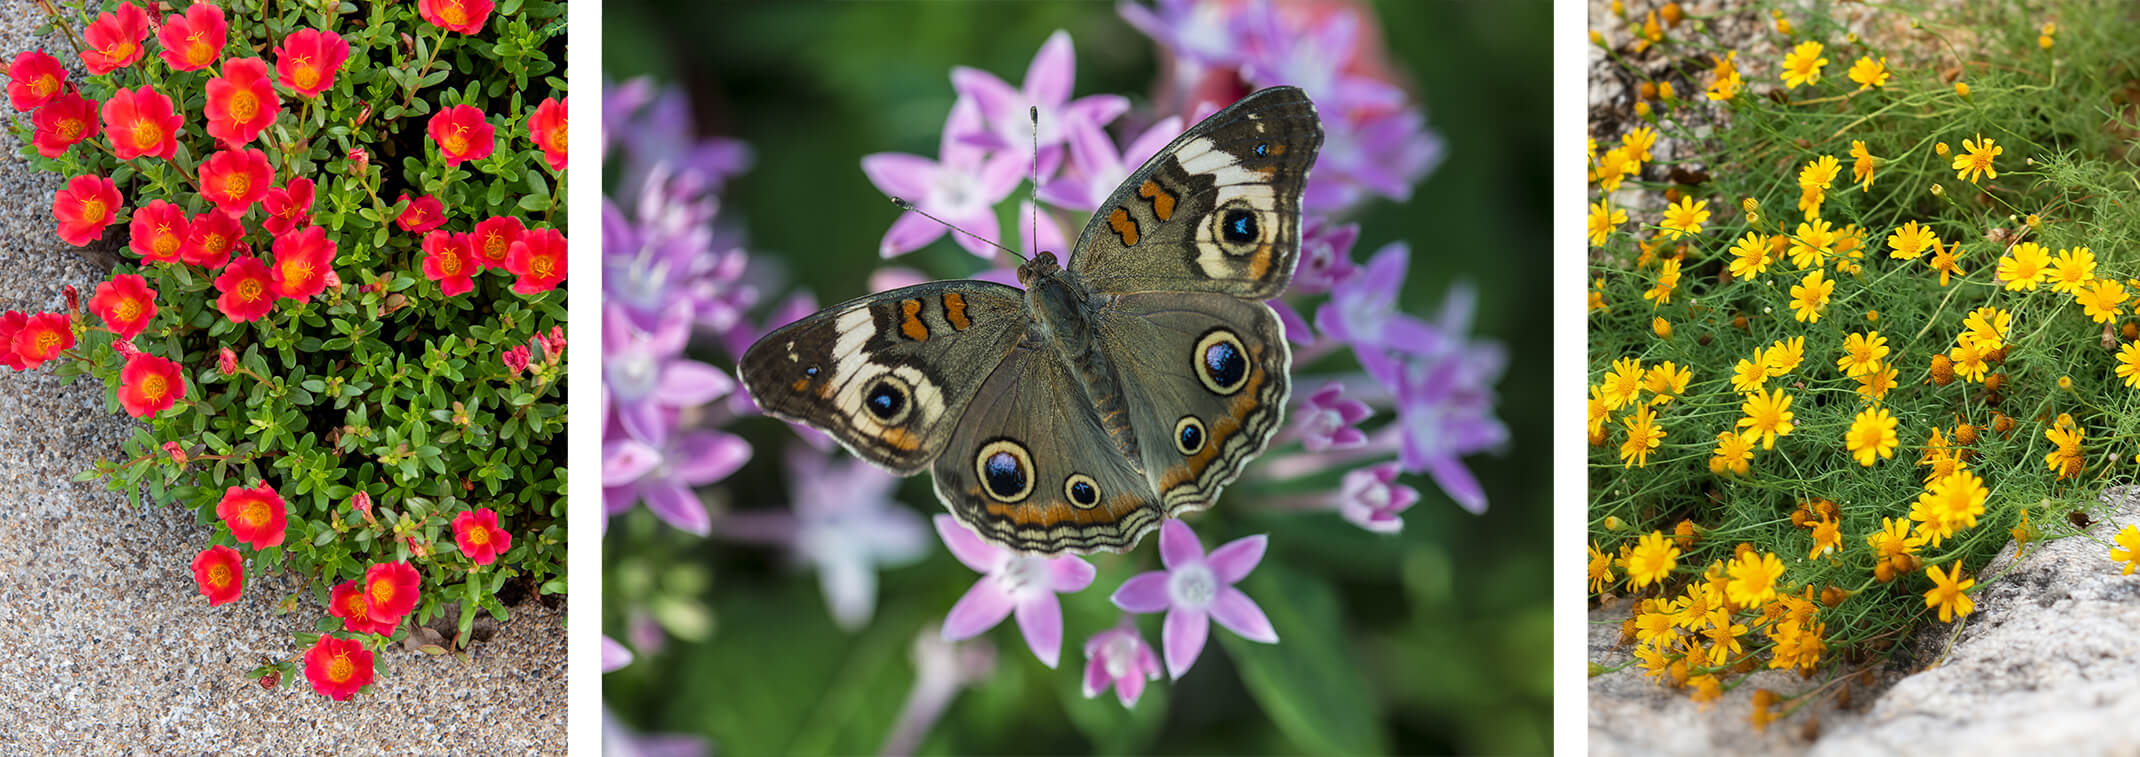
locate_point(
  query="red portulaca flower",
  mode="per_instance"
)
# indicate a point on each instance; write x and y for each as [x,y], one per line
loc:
[494,238]
[539,260]
[115,39]
[126,303]
[149,385]
[242,102]
[11,323]
[464,16]
[142,122]
[67,119]
[479,537]
[302,262]
[288,207]
[423,214]
[256,516]
[547,127]
[392,589]
[220,572]
[193,41]
[349,603]
[159,232]
[42,337]
[33,79]
[461,134]
[338,667]
[210,239]
[307,60]
[84,208]
[226,361]
[235,179]
[247,292]
[446,261]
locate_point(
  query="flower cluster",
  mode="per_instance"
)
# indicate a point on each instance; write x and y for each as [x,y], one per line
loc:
[233,164]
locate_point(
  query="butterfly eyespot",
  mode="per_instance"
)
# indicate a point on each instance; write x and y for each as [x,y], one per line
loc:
[1239,227]
[1263,149]
[1188,435]
[1082,491]
[1221,363]
[887,399]
[1005,470]
[810,371]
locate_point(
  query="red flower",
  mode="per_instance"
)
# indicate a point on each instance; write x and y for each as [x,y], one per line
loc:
[539,260]
[247,292]
[177,453]
[10,324]
[515,359]
[464,16]
[220,572]
[392,588]
[461,134]
[159,232]
[126,303]
[307,60]
[84,208]
[242,102]
[446,261]
[142,122]
[193,41]
[256,516]
[479,536]
[338,667]
[288,207]
[235,179]
[149,385]
[547,127]
[67,119]
[115,39]
[349,603]
[226,361]
[41,338]
[33,79]
[423,214]
[210,239]
[302,261]
[494,238]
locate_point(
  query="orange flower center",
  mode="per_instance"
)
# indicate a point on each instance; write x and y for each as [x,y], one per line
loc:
[236,185]
[216,244]
[153,388]
[45,85]
[198,53]
[166,243]
[479,536]
[357,609]
[494,246]
[219,575]
[457,142]
[147,134]
[256,514]
[416,216]
[249,290]
[382,591]
[47,342]
[93,210]
[307,75]
[541,266]
[296,272]
[70,129]
[120,51]
[244,106]
[341,669]
[454,14]
[128,309]
[557,136]
[450,263]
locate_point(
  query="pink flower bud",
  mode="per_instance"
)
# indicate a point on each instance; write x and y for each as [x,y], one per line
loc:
[177,453]
[516,359]
[334,280]
[227,361]
[359,160]
[273,677]
[416,548]
[125,348]
[74,300]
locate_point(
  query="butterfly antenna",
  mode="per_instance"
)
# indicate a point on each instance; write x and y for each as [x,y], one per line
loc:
[1033,192]
[908,206]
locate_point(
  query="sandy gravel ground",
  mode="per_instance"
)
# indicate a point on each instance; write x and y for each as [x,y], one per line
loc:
[106,647]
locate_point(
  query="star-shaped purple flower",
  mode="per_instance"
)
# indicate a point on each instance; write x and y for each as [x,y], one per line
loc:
[648,378]
[1194,591]
[844,523]
[1096,168]
[961,187]
[1119,657]
[1010,129]
[1362,312]
[1445,402]
[1327,420]
[664,476]
[1372,499]
[1014,582]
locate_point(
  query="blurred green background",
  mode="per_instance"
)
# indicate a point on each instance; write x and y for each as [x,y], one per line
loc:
[1438,639]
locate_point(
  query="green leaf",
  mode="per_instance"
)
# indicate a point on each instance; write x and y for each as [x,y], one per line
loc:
[1308,682]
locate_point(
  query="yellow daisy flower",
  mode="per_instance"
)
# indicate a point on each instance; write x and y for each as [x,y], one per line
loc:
[2128,364]
[2130,555]
[1724,81]
[1667,281]
[1684,217]
[1750,375]
[1784,355]
[1652,561]
[1749,257]
[1947,261]
[1753,579]
[1910,241]
[1827,537]
[1600,569]
[1622,383]
[2024,267]
[2071,269]
[1877,383]
[1810,297]
[1812,245]
[1597,414]
[2101,299]
[1986,328]
[1976,158]
[1862,353]
[1603,220]
[1643,435]
[1869,73]
[1734,452]
[1768,415]
[1861,167]
[1614,166]
[1803,65]
[1968,362]
[1871,436]
[1639,141]
[1947,593]
[1666,381]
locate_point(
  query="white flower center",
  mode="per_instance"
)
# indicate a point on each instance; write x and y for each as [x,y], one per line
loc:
[954,191]
[1023,577]
[1192,586]
[633,375]
[1118,654]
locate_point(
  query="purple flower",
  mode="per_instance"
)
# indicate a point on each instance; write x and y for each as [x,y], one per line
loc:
[664,474]
[1380,155]
[1325,256]
[614,655]
[1315,60]
[653,126]
[1362,312]
[1371,498]
[1445,402]
[1010,128]
[1098,167]
[1195,591]
[1120,658]
[1203,34]
[1015,582]
[961,187]
[844,523]
[664,255]
[648,379]
[1326,420]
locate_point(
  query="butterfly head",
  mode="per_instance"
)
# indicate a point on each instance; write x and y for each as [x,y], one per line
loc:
[1040,266]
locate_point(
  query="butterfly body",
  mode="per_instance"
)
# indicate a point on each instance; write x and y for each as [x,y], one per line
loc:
[1127,386]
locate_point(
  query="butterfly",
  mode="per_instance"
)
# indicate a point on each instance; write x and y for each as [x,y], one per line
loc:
[1126,386]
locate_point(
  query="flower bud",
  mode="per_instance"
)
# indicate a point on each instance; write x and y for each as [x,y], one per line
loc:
[270,680]
[359,160]
[226,361]
[74,299]
[125,348]
[177,453]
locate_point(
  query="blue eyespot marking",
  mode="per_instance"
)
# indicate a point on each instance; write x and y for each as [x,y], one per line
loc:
[810,371]
[885,401]
[1083,494]
[1004,474]
[1239,226]
[1225,363]
[1263,150]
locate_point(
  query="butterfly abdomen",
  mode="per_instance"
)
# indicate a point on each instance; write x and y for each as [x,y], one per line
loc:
[1061,317]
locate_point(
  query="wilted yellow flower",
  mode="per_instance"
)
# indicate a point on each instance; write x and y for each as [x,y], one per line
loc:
[1862,166]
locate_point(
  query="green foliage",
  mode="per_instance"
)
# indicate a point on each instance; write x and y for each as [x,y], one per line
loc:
[380,386]
[2067,179]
